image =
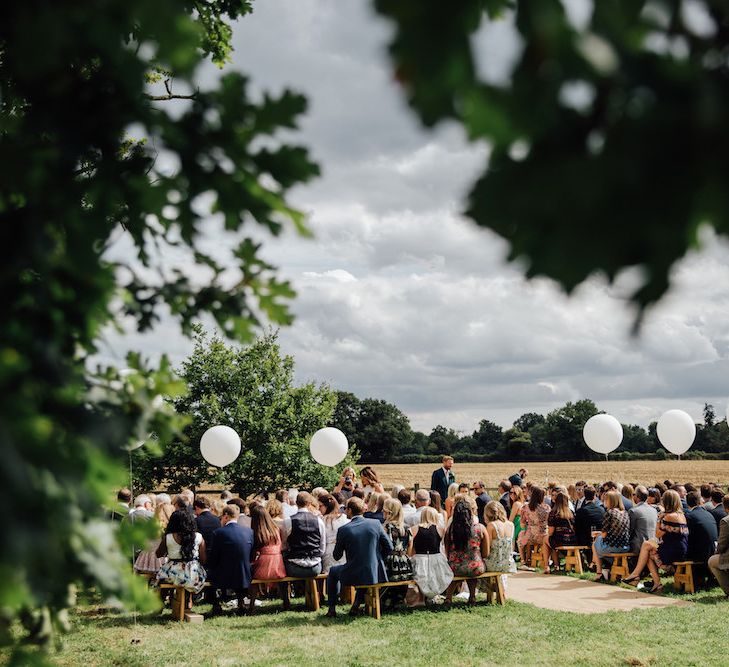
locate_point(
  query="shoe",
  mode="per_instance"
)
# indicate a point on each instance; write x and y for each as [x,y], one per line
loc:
[631,581]
[656,589]
[331,613]
[355,611]
[462,596]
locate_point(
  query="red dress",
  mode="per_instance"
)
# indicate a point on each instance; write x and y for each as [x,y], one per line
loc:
[268,563]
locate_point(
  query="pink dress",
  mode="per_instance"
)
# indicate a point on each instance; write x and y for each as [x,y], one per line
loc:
[269,563]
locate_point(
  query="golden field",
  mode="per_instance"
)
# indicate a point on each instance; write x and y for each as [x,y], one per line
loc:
[643,472]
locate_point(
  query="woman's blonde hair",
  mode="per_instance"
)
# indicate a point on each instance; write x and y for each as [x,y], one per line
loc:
[274,508]
[494,511]
[393,507]
[671,502]
[428,517]
[216,507]
[613,500]
[518,492]
[561,506]
[375,502]
[163,513]
[452,490]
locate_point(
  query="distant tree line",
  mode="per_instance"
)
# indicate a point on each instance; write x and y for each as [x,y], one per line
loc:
[382,434]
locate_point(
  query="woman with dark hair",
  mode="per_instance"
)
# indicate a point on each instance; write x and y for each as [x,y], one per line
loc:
[466,544]
[333,521]
[654,499]
[560,528]
[185,551]
[370,481]
[267,558]
[534,520]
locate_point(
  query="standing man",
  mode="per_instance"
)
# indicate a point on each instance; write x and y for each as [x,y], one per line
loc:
[229,562]
[365,544]
[482,499]
[518,478]
[719,562]
[442,478]
[643,520]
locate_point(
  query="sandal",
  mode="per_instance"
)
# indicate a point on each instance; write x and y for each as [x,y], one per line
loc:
[632,581]
[656,589]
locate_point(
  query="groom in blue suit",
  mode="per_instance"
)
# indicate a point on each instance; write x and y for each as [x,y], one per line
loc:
[365,543]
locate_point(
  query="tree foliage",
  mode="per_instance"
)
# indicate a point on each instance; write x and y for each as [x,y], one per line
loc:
[608,139]
[252,390]
[76,80]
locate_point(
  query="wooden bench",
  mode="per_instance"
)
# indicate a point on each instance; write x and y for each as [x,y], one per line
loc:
[311,593]
[572,558]
[683,578]
[373,592]
[620,565]
[534,555]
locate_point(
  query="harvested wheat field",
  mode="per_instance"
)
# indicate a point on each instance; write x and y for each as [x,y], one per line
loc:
[643,472]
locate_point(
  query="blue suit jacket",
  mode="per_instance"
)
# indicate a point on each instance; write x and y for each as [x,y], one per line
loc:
[440,482]
[702,535]
[364,542]
[230,559]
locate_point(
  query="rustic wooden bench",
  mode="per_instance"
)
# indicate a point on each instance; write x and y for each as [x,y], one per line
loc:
[620,565]
[373,592]
[311,593]
[573,558]
[683,578]
[534,555]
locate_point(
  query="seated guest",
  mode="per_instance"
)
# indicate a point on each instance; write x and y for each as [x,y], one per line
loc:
[305,536]
[589,517]
[615,534]
[121,509]
[267,561]
[516,495]
[466,545]
[430,567]
[627,493]
[719,563]
[560,529]
[364,543]
[435,503]
[275,511]
[333,521]
[422,500]
[482,499]
[672,532]
[230,558]
[655,499]
[244,518]
[185,551]
[405,500]
[207,523]
[534,517]
[702,531]
[643,520]
[681,490]
[375,503]
[504,488]
[452,491]
[397,562]
[706,501]
[500,533]
[718,511]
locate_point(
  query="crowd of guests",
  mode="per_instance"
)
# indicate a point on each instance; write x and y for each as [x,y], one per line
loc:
[358,534]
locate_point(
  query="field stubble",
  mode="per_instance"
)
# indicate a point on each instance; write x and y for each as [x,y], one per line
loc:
[643,472]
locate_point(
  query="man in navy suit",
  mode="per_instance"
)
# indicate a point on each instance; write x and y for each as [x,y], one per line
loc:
[442,478]
[702,535]
[364,542]
[718,511]
[207,523]
[230,559]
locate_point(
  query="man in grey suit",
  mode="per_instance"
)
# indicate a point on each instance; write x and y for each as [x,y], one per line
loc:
[643,520]
[719,562]
[365,543]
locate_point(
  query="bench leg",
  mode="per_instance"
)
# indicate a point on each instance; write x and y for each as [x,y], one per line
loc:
[312,595]
[178,604]
[500,593]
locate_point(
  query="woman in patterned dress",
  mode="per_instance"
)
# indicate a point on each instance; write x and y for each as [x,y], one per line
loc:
[534,515]
[615,535]
[398,564]
[466,544]
[500,532]
[561,528]
[672,532]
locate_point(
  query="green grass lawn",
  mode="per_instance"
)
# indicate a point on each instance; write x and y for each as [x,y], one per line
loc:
[516,634]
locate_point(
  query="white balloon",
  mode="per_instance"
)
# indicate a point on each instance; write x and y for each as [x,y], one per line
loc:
[328,446]
[676,431]
[220,445]
[602,433]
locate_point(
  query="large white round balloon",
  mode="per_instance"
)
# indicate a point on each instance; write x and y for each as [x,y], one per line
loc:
[220,445]
[328,446]
[676,431]
[602,433]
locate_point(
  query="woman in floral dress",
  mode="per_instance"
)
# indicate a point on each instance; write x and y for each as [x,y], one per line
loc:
[534,515]
[466,545]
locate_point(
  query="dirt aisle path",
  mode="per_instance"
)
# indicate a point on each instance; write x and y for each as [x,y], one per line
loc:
[586,597]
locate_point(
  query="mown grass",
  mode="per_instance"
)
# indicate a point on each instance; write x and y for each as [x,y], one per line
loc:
[517,633]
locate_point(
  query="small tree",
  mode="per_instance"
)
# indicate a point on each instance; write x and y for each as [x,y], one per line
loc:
[251,390]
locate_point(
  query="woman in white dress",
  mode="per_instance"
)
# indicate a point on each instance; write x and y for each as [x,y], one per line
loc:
[333,521]
[430,566]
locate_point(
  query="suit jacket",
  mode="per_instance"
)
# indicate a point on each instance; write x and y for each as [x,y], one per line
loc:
[702,535]
[230,558]
[643,520]
[440,482]
[207,524]
[365,543]
[723,547]
[505,503]
[628,505]
[516,479]
[482,499]
[718,513]
[589,515]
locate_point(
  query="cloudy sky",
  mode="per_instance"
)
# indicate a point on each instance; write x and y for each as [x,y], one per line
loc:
[401,298]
